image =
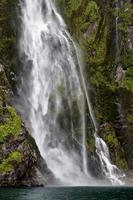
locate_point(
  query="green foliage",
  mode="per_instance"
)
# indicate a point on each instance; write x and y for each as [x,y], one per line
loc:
[6,44]
[97,50]
[91,144]
[15,156]
[98,78]
[68,6]
[79,14]
[130,118]
[116,151]
[105,107]
[96,46]
[92,11]
[11,161]
[127,59]
[7,33]
[111,139]
[73,5]
[120,162]
[5,166]
[12,126]
[125,15]
[128,83]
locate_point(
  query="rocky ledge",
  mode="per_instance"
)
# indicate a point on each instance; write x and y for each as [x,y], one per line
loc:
[20,161]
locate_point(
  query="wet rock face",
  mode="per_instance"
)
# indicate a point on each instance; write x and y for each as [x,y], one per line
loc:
[94,165]
[4,86]
[107,132]
[28,169]
[20,161]
[124,126]
[130,37]
[129,178]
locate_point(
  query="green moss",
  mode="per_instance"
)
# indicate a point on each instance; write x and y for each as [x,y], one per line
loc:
[79,14]
[105,107]
[116,151]
[11,126]
[92,11]
[121,162]
[110,139]
[7,37]
[98,50]
[11,161]
[127,60]
[130,118]
[91,144]
[5,166]
[128,83]
[15,156]
[125,15]
[5,45]
[1,110]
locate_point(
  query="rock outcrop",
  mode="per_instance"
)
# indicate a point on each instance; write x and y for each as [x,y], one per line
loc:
[20,161]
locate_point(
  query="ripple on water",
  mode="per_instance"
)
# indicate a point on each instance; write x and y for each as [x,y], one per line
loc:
[68,193]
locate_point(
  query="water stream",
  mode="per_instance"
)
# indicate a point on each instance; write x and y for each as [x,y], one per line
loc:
[53,90]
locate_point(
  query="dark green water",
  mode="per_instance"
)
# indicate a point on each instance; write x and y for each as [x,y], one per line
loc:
[78,193]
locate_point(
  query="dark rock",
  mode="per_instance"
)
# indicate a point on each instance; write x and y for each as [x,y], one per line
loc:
[31,170]
[94,166]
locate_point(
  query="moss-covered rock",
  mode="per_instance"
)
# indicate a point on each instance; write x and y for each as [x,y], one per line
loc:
[7,164]
[116,151]
[4,87]
[11,125]
[20,161]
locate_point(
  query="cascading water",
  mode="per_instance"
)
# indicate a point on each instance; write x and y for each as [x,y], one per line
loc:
[54,92]
[110,171]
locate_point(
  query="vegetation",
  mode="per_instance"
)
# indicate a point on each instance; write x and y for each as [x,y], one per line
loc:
[93,24]
[11,161]
[12,125]
[8,32]
[130,118]
[116,151]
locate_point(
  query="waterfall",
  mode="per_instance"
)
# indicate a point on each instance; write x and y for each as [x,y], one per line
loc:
[54,92]
[109,170]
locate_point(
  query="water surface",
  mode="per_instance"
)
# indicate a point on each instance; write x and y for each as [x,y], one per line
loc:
[68,193]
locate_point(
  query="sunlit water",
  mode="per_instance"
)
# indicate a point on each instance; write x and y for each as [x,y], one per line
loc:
[70,193]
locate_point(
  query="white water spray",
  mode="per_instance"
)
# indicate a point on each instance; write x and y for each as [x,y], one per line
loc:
[54,92]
